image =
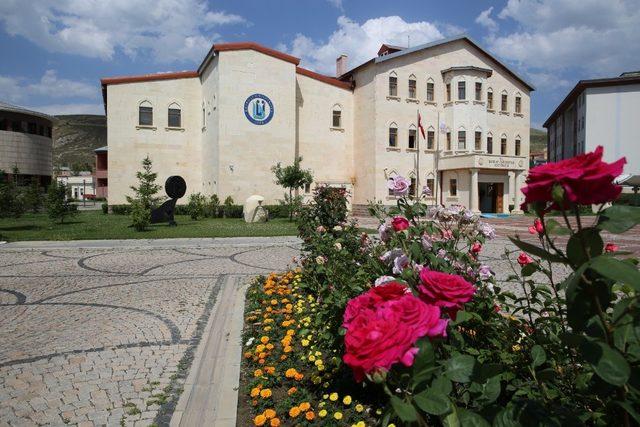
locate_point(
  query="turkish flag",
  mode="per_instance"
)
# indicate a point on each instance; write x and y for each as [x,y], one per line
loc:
[420,125]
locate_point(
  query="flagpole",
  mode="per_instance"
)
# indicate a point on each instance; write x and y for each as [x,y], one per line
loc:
[418,191]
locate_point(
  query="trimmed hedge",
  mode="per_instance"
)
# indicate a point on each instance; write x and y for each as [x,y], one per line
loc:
[232,211]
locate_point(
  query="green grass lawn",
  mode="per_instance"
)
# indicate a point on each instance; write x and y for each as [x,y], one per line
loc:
[96,225]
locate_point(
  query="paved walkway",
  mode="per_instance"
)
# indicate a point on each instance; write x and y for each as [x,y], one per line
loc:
[104,332]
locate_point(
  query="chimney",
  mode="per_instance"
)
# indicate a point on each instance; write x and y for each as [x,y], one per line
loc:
[341,65]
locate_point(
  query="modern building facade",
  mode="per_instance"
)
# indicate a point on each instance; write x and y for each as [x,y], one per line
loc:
[26,144]
[598,112]
[248,107]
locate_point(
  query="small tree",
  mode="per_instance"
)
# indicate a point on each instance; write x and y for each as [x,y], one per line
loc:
[10,203]
[144,198]
[292,178]
[228,205]
[196,206]
[213,207]
[58,204]
[33,197]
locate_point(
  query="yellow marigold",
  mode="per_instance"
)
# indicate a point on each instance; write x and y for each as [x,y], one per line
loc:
[391,425]
[360,424]
[262,355]
[274,302]
[294,412]
[257,373]
[259,420]
[292,390]
[304,406]
[347,400]
[260,348]
[291,332]
[275,422]
[304,343]
[264,339]
[310,415]
[359,408]
[337,416]
[333,397]
[322,413]
[265,393]
[255,392]
[269,413]
[269,346]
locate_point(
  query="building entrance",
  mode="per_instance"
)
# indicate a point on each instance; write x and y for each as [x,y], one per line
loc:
[491,194]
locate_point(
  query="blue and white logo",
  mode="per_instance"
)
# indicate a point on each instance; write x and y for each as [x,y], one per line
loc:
[259,109]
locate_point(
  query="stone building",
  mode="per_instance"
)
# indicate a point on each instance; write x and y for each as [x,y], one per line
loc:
[248,107]
[26,144]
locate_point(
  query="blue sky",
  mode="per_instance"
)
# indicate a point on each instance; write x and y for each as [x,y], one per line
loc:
[55,51]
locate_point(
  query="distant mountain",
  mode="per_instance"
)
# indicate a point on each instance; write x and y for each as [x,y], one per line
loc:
[76,136]
[538,140]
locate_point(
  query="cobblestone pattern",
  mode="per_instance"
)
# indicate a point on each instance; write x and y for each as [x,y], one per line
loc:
[95,337]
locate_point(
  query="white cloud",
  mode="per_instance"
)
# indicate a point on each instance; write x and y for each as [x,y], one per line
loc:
[57,109]
[167,30]
[598,37]
[18,90]
[337,4]
[359,41]
[487,21]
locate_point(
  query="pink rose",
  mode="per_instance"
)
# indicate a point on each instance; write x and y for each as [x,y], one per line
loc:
[476,247]
[611,247]
[586,180]
[399,223]
[399,185]
[448,291]
[524,259]
[537,227]
[383,325]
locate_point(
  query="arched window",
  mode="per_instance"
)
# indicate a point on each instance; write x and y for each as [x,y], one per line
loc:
[412,140]
[412,87]
[175,116]
[391,174]
[431,137]
[518,146]
[462,138]
[145,114]
[430,90]
[393,84]
[477,141]
[489,99]
[489,143]
[518,107]
[462,90]
[503,144]
[413,186]
[393,135]
[431,184]
[336,116]
[504,104]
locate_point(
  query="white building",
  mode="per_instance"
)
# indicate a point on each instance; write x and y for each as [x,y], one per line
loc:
[80,186]
[598,112]
[248,107]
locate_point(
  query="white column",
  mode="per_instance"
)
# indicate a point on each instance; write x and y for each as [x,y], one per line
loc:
[473,191]
[517,200]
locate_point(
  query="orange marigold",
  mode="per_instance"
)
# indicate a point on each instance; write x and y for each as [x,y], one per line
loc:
[265,393]
[298,377]
[290,373]
[294,412]
[310,415]
[304,406]
[275,422]
[255,392]
[292,390]
[269,413]
[259,420]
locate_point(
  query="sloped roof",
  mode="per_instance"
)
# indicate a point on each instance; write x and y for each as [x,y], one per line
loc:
[425,46]
[4,106]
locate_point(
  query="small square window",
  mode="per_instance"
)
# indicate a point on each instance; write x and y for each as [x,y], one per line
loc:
[145,116]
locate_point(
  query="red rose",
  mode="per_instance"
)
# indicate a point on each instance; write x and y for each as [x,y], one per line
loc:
[383,325]
[399,223]
[524,259]
[448,291]
[611,247]
[476,248]
[586,180]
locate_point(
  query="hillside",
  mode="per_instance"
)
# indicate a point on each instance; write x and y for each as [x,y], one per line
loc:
[76,136]
[538,140]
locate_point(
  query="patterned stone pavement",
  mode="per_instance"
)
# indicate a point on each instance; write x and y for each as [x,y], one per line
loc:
[105,335]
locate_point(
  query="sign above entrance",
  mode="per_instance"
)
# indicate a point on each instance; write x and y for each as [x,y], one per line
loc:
[258,109]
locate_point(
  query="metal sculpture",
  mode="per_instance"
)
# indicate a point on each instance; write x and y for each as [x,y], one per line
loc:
[175,187]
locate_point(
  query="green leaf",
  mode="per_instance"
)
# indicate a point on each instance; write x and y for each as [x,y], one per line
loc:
[471,419]
[452,420]
[629,408]
[538,356]
[535,250]
[424,363]
[460,367]
[607,362]
[442,385]
[619,218]
[529,269]
[433,402]
[405,411]
[583,245]
[617,270]
[555,228]
[490,390]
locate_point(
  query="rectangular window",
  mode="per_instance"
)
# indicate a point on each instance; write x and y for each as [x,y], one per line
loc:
[412,138]
[32,128]
[490,100]
[412,89]
[393,86]
[518,104]
[490,144]
[478,141]
[462,140]
[503,146]
[503,106]
[145,116]
[478,91]
[412,187]
[431,185]
[307,188]
[453,187]
[393,137]
[337,119]
[431,136]
[448,92]
[517,147]
[430,92]
[462,91]
[449,141]
[175,121]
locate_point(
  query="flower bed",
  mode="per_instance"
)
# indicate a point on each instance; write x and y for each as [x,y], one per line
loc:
[412,329]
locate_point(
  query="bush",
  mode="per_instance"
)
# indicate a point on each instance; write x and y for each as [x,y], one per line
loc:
[121,209]
[277,211]
[140,215]
[58,205]
[33,197]
[105,208]
[11,204]
[213,207]
[197,206]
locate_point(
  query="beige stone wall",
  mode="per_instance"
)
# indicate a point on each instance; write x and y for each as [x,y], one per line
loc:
[173,152]
[31,153]
[209,119]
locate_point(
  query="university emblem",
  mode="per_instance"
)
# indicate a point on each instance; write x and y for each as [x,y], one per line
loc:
[258,109]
